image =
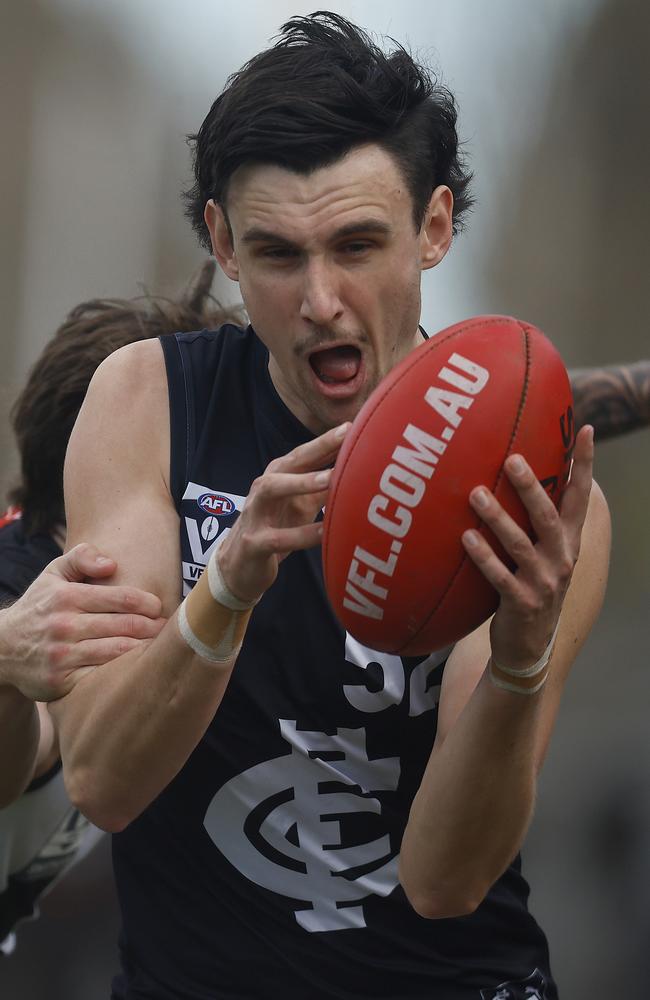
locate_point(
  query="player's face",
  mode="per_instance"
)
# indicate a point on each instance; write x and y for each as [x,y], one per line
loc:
[329,267]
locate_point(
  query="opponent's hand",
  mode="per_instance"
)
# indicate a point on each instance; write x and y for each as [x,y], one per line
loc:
[532,593]
[61,627]
[278,516]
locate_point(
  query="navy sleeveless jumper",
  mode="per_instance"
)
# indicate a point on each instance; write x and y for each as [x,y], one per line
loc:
[268,867]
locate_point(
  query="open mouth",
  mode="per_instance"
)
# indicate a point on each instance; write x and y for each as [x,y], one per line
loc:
[336,365]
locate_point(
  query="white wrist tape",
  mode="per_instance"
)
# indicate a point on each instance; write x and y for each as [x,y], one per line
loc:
[223,615]
[219,589]
[514,688]
[537,668]
[228,646]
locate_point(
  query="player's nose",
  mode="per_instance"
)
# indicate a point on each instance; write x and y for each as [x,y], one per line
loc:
[321,302]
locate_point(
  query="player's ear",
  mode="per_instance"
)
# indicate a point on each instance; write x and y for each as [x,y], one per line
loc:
[436,231]
[221,238]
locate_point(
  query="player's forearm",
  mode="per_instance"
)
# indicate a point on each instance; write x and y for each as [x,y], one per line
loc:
[614,400]
[125,732]
[19,734]
[474,804]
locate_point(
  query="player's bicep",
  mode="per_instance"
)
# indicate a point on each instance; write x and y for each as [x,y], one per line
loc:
[116,473]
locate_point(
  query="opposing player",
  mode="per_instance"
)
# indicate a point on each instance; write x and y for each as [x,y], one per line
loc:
[62,626]
[297,815]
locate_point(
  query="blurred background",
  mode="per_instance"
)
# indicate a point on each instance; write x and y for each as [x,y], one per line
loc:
[95,102]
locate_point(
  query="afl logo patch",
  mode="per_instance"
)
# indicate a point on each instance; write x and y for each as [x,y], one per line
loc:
[216,503]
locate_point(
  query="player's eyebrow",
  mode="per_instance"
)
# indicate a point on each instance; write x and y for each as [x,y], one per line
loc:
[256,234]
[371,226]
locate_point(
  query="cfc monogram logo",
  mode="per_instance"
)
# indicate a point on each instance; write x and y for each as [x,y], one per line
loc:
[533,988]
[281,825]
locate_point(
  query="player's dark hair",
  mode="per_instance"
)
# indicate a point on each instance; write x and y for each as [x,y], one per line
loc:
[323,89]
[44,413]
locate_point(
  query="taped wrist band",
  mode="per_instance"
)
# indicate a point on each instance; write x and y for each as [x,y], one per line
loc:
[219,618]
[537,667]
[229,643]
[500,676]
[220,591]
[506,685]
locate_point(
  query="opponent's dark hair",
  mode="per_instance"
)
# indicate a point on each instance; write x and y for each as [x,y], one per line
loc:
[45,411]
[323,89]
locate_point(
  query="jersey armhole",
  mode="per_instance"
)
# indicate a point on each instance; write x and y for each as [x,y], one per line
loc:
[181,411]
[43,779]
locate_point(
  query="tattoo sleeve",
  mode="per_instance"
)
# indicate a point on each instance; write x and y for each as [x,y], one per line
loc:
[614,400]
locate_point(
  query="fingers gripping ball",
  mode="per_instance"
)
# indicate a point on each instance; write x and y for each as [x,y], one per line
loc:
[442,422]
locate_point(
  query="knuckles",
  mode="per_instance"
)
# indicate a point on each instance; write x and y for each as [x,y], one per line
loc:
[531,605]
[548,518]
[547,587]
[57,656]
[276,465]
[521,548]
[61,627]
[58,595]
[246,537]
[268,541]
[565,568]
[262,486]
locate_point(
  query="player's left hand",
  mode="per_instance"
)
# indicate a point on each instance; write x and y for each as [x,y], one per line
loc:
[63,626]
[532,593]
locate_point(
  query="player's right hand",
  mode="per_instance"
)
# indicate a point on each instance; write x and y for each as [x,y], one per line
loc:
[532,593]
[63,626]
[278,516]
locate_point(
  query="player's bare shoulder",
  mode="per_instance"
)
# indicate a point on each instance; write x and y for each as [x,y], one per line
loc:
[125,412]
[133,376]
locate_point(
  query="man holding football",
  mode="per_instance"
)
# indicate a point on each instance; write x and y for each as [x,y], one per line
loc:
[289,820]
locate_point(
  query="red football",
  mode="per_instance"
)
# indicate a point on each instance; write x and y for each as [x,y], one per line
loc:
[443,421]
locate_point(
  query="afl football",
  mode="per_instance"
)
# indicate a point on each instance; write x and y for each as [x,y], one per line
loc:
[442,422]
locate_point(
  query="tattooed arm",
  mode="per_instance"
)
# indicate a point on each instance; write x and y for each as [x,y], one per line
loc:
[615,399]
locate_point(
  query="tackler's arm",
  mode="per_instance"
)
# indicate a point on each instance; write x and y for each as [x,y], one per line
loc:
[614,400]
